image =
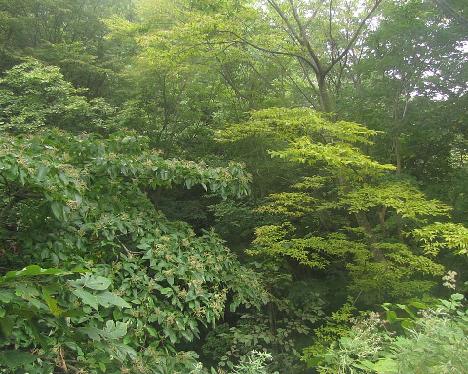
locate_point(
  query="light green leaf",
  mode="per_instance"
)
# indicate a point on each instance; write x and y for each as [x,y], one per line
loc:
[92,332]
[87,298]
[114,330]
[107,299]
[96,282]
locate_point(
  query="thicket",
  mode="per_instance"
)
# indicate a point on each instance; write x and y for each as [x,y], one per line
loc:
[233,186]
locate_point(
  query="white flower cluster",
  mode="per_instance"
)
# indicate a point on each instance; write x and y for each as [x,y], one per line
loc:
[449,279]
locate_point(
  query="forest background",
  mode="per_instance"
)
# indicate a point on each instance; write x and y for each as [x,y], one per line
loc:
[233,186]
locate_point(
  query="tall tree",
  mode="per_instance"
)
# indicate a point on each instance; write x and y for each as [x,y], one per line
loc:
[319,36]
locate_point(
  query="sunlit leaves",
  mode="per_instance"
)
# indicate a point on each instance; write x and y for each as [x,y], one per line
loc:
[288,204]
[432,342]
[33,95]
[338,156]
[313,251]
[438,236]
[289,124]
[305,136]
[403,197]
[32,270]
[345,180]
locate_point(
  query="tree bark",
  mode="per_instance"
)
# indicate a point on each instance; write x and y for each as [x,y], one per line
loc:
[381,214]
[326,101]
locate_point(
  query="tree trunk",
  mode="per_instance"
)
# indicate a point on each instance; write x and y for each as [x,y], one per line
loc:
[326,101]
[396,143]
[381,214]
[363,222]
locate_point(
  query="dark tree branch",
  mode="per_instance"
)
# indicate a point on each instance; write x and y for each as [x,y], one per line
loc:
[307,76]
[305,42]
[286,20]
[266,50]
[354,37]
[301,91]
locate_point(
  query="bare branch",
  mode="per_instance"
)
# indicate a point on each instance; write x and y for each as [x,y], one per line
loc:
[354,37]
[266,50]
[309,80]
[286,20]
[305,42]
[296,85]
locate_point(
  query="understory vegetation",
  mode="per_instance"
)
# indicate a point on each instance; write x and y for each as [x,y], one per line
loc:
[233,186]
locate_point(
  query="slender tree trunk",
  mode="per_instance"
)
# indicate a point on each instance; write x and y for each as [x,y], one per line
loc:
[272,321]
[326,101]
[397,147]
[381,214]
[363,221]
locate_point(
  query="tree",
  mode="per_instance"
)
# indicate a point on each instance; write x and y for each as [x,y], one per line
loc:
[72,199]
[373,253]
[66,33]
[319,37]
[204,186]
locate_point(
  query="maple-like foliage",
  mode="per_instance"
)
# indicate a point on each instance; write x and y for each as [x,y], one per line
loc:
[232,186]
[363,188]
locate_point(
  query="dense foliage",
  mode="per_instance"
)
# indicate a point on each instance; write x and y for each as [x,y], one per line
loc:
[233,186]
